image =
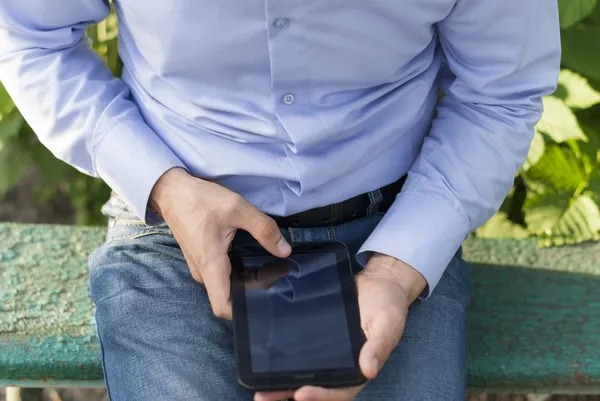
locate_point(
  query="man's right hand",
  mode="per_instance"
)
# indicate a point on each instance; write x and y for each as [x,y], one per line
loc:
[204,218]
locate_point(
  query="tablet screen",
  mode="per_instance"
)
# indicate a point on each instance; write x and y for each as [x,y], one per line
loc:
[295,313]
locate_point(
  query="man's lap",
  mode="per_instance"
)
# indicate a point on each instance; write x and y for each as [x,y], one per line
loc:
[160,339]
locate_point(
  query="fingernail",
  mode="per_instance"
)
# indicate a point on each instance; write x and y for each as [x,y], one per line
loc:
[283,246]
[376,365]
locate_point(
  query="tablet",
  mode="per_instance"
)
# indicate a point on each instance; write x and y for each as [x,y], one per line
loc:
[296,320]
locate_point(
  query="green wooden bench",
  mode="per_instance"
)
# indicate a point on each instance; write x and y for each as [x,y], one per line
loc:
[534,321]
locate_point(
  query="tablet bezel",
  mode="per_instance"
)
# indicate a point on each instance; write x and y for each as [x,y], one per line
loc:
[343,377]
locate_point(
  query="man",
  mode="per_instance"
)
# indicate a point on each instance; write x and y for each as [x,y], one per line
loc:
[293,121]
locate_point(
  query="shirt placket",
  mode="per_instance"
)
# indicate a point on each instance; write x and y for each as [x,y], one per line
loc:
[289,64]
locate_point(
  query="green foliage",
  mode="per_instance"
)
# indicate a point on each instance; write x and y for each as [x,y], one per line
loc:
[558,198]
[556,193]
[573,11]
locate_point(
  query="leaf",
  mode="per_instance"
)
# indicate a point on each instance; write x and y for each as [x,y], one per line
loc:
[581,219]
[536,150]
[112,57]
[6,102]
[579,223]
[542,213]
[573,11]
[559,122]
[14,162]
[499,226]
[595,83]
[560,168]
[577,90]
[589,149]
[593,189]
[594,17]
[563,218]
[11,124]
[581,50]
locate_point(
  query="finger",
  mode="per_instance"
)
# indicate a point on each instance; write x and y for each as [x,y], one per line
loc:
[311,393]
[191,262]
[196,275]
[273,396]
[215,274]
[383,333]
[264,230]
[194,270]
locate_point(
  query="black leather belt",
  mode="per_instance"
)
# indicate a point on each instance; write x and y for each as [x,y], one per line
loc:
[343,212]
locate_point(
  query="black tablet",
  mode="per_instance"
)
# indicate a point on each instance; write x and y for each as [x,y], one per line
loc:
[296,320]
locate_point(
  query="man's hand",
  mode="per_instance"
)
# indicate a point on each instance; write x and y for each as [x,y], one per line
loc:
[386,288]
[204,218]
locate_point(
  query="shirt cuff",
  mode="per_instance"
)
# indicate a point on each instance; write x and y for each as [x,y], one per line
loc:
[421,231]
[130,159]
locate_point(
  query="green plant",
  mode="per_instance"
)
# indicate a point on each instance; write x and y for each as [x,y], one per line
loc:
[557,191]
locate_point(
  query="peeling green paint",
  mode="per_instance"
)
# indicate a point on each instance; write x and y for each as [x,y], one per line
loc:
[43,275]
[46,325]
[533,329]
[534,321]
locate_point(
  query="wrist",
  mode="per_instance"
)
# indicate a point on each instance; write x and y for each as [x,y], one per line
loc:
[405,276]
[167,189]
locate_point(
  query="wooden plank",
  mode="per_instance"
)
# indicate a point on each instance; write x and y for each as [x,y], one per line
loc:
[47,333]
[534,317]
[534,322]
[534,331]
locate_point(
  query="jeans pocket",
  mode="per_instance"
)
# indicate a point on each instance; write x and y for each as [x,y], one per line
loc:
[123,229]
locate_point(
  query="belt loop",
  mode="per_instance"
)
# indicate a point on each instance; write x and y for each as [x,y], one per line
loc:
[375,198]
[335,214]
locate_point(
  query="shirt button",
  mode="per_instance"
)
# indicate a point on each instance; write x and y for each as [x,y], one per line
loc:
[288,99]
[281,23]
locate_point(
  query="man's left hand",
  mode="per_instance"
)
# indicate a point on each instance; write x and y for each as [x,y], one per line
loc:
[386,288]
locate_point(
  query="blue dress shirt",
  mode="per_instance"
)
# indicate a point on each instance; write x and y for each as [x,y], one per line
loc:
[297,104]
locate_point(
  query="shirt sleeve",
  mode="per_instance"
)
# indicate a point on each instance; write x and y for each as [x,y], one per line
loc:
[504,56]
[77,108]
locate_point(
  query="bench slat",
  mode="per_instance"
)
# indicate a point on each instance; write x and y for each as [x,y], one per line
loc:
[46,326]
[534,317]
[534,321]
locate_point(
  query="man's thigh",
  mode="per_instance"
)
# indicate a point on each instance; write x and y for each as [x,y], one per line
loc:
[159,338]
[429,363]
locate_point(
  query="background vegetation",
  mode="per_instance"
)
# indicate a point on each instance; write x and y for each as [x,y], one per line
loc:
[556,195]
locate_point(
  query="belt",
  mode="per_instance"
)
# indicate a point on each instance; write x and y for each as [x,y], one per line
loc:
[360,206]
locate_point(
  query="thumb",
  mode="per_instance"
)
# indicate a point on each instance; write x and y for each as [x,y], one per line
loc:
[383,333]
[265,231]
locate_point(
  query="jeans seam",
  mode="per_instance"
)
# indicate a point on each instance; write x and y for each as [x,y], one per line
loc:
[97,329]
[134,236]
[103,363]
[129,222]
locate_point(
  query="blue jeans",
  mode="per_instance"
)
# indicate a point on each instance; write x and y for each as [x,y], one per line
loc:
[160,340]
